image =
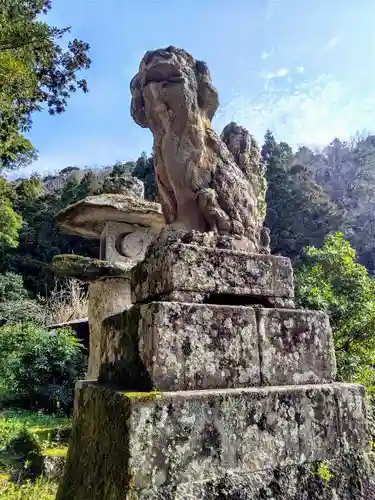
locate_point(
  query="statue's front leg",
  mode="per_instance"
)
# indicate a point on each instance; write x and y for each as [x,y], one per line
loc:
[168,201]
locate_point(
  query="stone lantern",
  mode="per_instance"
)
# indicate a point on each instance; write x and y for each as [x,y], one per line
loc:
[125,225]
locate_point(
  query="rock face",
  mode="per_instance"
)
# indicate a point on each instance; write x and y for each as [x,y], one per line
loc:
[211,385]
[205,183]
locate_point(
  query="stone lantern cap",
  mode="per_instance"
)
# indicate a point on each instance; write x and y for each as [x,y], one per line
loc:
[89,216]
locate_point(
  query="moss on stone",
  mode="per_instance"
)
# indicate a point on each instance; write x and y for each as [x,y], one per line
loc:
[55,452]
[324,471]
[142,396]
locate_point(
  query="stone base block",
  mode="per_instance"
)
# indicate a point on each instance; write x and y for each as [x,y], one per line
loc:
[179,346]
[349,478]
[209,273]
[145,445]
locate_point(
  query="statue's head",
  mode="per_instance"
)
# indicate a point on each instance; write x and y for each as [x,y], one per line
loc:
[171,80]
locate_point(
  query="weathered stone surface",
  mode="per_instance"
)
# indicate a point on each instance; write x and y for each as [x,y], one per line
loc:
[88,216]
[350,478]
[106,297]
[205,183]
[126,443]
[117,244]
[296,347]
[213,272]
[53,467]
[182,346]
[88,269]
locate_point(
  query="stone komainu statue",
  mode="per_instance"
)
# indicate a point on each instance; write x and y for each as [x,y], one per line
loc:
[206,183]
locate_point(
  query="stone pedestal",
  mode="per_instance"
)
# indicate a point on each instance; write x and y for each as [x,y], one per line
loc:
[219,395]
[107,296]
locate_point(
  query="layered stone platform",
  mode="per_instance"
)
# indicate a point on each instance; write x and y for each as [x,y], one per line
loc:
[218,395]
[182,346]
[139,445]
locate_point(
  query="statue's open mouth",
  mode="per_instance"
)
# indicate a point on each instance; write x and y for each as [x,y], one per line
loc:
[163,73]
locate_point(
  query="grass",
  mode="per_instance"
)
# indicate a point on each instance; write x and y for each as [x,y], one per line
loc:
[13,422]
[41,490]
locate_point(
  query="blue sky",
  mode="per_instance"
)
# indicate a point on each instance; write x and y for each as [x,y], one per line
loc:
[303,68]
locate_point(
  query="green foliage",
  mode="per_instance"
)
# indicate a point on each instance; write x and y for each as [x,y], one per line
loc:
[15,303]
[346,172]
[39,490]
[299,212]
[40,238]
[331,280]
[13,422]
[39,367]
[26,437]
[34,70]
[10,221]
[145,171]
[324,471]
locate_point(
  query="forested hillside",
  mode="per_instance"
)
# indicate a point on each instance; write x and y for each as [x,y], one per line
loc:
[311,194]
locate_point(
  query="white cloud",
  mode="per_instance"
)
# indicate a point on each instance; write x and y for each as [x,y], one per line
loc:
[279,73]
[311,112]
[300,69]
[332,43]
[266,54]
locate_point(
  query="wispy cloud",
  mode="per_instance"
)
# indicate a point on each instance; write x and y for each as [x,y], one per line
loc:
[266,54]
[270,8]
[279,73]
[332,43]
[300,69]
[310,112]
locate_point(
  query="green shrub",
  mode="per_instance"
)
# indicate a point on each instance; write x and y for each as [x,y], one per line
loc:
[38,367]
[15,304]
[331,280]
[26,437]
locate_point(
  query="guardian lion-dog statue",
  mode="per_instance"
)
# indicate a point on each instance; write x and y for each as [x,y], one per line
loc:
[206,183]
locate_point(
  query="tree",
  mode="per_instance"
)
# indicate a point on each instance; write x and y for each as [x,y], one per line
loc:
[299,212]
[15,303]
[38,367]
[35,71]
[145,171]
[10,221]
[346,172]
[330,279]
